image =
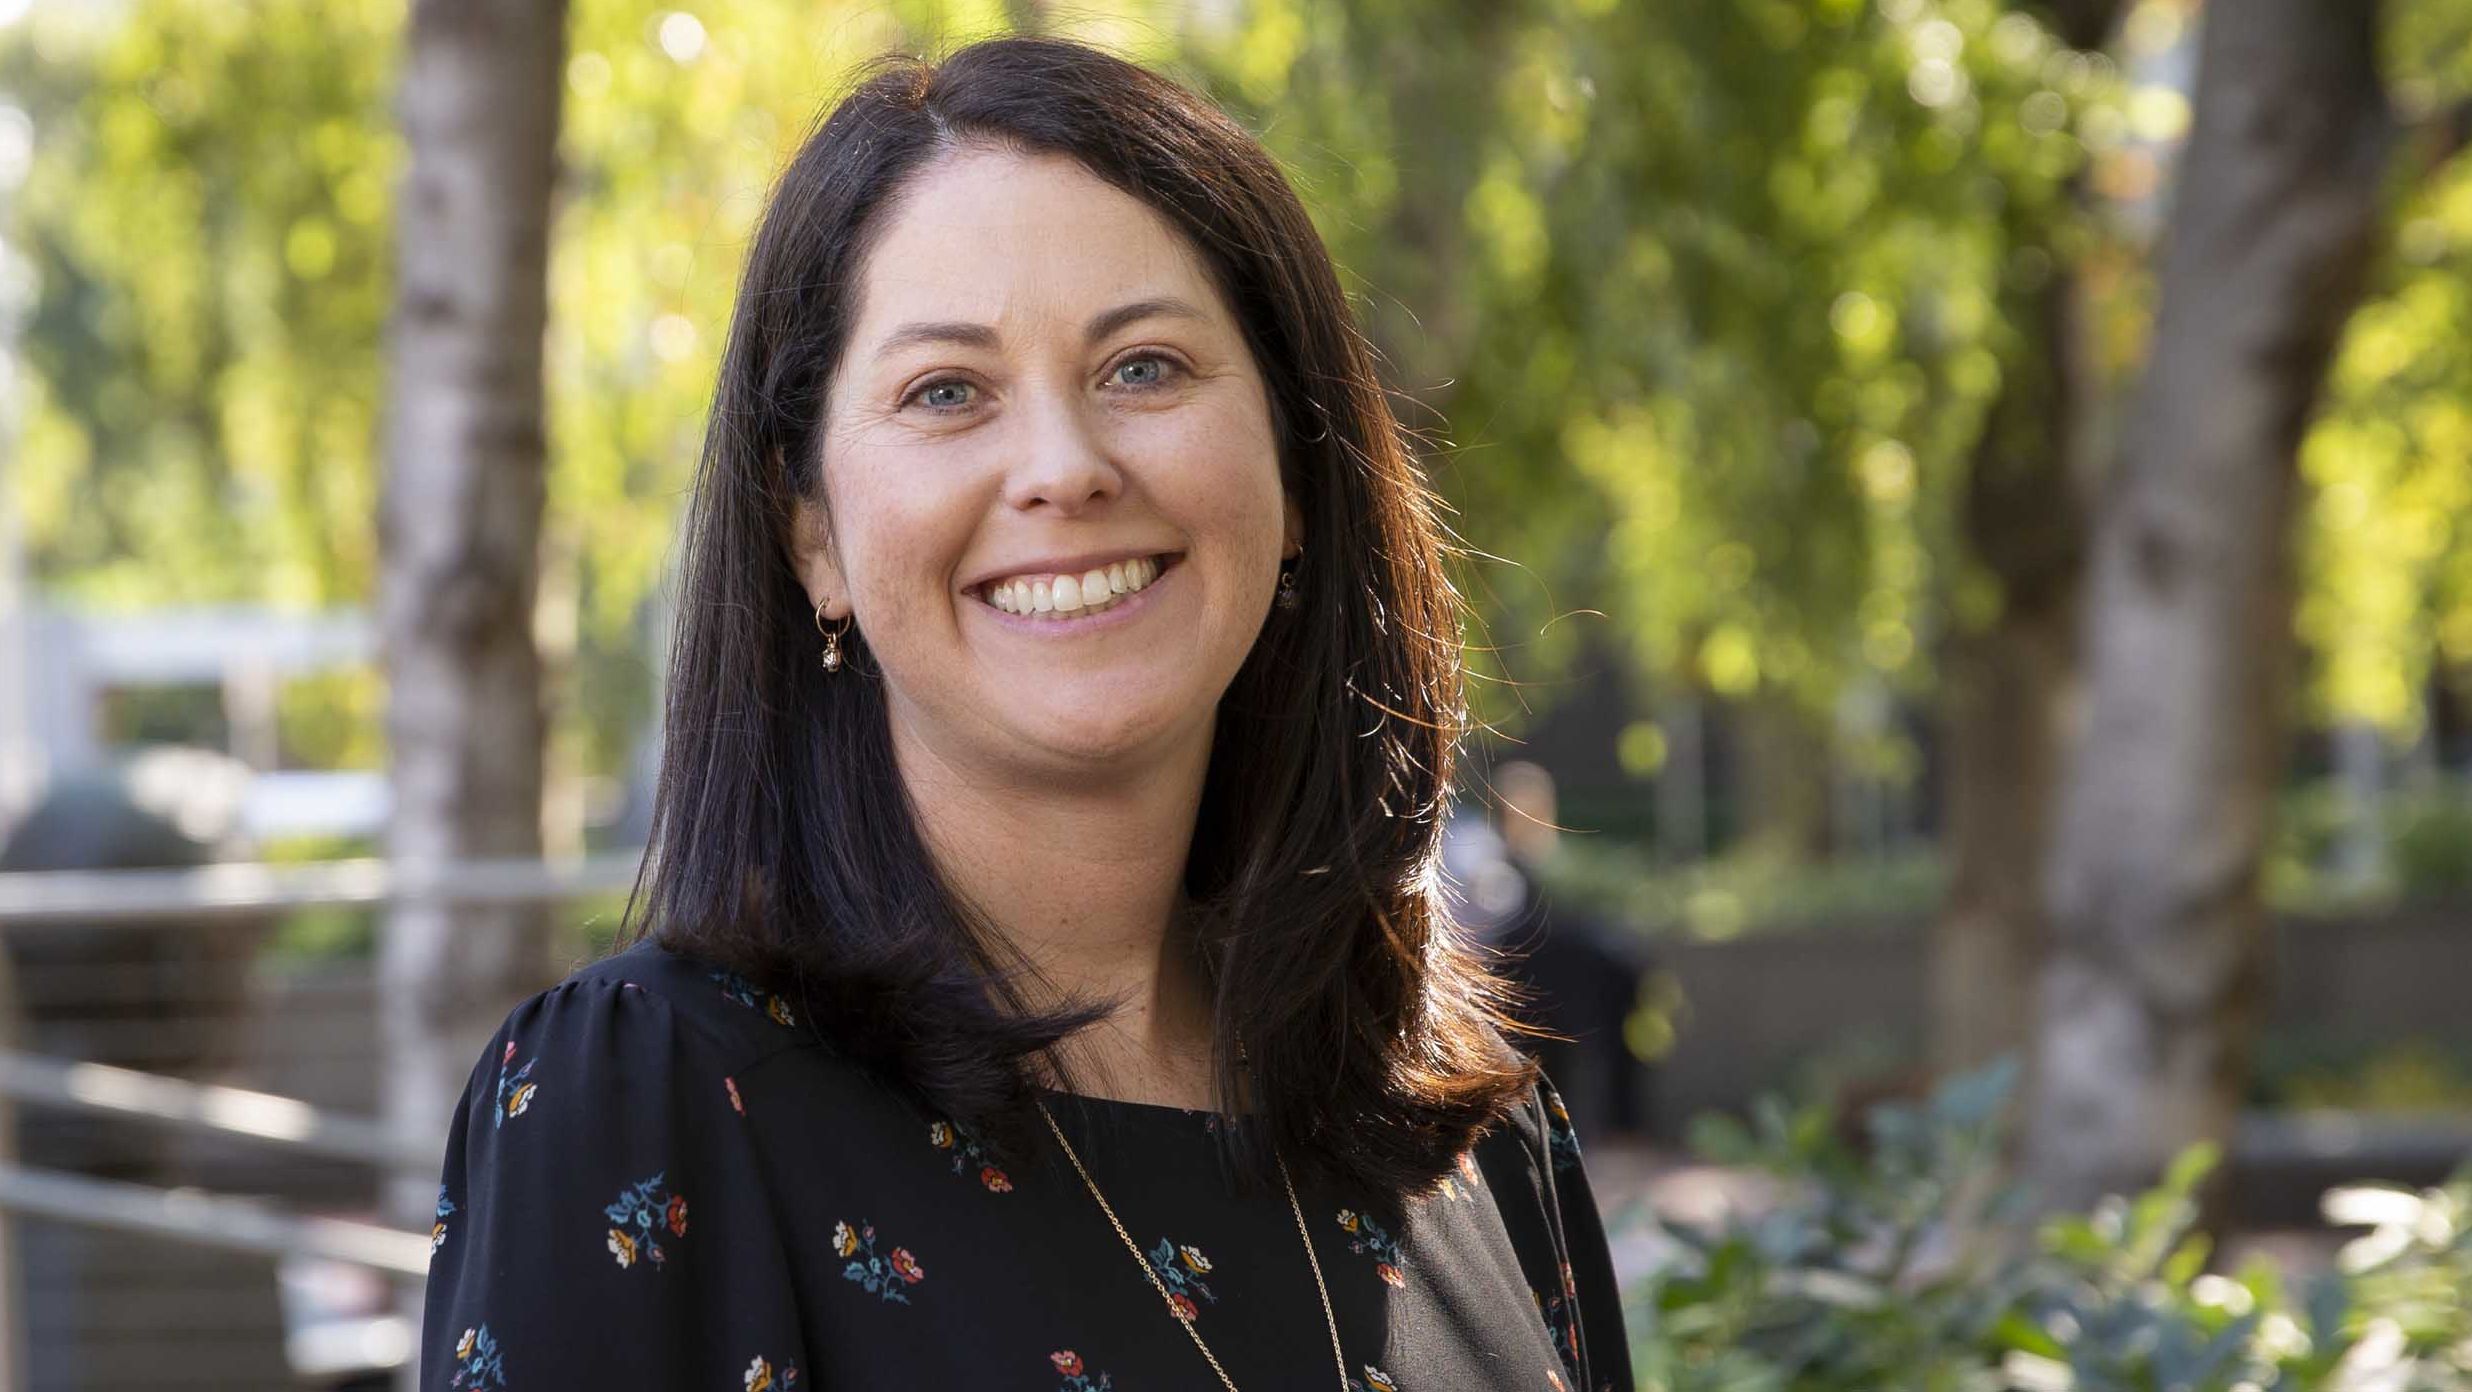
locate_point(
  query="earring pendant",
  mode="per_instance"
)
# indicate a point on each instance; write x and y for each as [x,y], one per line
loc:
[1287,597]
[831,656]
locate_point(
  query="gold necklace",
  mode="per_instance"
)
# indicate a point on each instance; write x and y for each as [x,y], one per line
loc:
[1130,1245]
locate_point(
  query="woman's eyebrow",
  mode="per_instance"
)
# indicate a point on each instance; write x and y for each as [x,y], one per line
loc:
[968,335]
[1164,306]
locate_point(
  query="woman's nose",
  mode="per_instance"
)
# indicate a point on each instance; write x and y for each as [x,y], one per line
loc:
[1061,458]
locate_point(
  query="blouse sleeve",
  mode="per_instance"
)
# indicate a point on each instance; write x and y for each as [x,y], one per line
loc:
[1596,1344]
[603,1220]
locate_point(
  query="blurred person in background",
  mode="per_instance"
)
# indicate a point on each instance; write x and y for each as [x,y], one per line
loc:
[1036,982]
[1580,976]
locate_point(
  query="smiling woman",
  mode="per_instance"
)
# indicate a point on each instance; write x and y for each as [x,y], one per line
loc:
[1038,978]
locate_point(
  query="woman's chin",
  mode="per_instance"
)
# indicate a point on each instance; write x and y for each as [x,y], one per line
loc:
[1101,733]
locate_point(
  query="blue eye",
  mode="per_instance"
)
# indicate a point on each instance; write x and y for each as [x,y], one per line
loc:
[951,394]
[1131,372]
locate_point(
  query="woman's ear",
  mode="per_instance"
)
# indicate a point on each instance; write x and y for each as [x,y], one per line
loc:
[811,555]
[1295,541]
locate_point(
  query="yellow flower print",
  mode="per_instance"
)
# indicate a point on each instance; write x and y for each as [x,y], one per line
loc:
[1379,1381]
[779,1009]
[940,1134]
[522,1099]
[1348,1219]
[622,1247]
[759,1376]
[845,1242]
[463,1346]
[1194,1261]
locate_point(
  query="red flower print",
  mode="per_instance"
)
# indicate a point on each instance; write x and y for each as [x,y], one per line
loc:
[1182,1304]
[995,1180]
[509,1055]
[1390,1275]
[1067,1362]
[676,1216]
[906,1267]
[1555,1378]
[736,1104]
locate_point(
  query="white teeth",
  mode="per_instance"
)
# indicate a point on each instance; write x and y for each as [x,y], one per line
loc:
[1087,593]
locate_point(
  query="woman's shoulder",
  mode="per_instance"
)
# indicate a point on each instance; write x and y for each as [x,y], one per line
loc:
[644,1009]
[1536,1127]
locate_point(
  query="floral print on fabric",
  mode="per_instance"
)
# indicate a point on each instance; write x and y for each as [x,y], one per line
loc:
[1561,1320]
[883,1276]
[967,1156]
[477,1363]
[437,1230]
[743,991]
[1374,1380]
[737,1104]
[514,1093]
[1561,1139]
[1077,1378]
[1366,1237]
[642,1214]
[1181,1270]
[762,1378]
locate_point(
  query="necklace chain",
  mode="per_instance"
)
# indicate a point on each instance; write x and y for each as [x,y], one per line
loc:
[1337,1358]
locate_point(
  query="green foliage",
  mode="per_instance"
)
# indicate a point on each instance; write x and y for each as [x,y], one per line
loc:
[2386,539]
[207,218]
[1905,1263]
[2430,841]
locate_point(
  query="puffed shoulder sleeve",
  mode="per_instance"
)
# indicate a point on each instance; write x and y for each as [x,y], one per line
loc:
[1585,1312]
[603,1219]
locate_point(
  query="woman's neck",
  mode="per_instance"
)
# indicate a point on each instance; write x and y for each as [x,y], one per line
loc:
[1086,885]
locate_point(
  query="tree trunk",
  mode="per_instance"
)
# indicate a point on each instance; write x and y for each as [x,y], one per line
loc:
[2149,997]
[459,534]
[2009,676]
[2004,695]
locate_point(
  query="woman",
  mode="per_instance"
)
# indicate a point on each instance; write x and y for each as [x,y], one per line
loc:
[1040,982]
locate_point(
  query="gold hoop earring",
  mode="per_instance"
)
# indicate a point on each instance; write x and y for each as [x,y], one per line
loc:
[831,657]
[1287,597]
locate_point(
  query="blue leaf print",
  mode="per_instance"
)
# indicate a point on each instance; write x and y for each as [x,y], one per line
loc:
[641,1215]
[477,1364]
[881,1276]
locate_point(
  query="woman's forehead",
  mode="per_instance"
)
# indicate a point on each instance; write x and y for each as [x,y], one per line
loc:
[1020,244]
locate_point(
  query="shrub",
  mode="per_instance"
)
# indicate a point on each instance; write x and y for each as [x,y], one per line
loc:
[1910,1263]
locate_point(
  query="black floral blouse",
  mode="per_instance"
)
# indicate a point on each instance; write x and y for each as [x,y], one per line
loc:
[659,1180]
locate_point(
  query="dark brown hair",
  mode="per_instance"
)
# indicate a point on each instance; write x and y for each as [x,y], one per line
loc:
[783,844]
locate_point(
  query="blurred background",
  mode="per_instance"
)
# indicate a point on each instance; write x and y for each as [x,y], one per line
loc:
[1967,519]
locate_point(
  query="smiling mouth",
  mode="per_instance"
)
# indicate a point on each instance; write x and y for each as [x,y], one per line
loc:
[1079,595]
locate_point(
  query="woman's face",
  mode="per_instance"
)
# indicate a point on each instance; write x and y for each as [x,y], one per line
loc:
[1055,503]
